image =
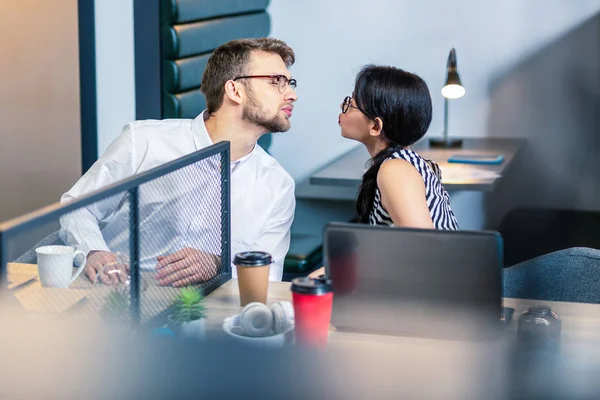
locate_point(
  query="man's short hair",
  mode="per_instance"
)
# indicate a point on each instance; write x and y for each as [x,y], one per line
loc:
[231,59]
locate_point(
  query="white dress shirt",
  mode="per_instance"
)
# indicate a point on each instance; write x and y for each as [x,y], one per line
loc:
[178,210]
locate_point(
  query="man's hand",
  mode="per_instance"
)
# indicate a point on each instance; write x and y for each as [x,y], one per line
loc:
[185,267]
[317,273]
[106,267]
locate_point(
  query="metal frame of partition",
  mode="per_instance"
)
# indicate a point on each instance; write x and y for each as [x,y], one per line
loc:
[131,185]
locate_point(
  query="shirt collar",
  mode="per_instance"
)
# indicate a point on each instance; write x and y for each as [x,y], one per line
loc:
[202,138]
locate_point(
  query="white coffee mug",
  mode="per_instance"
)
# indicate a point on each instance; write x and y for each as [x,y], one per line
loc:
[55,265]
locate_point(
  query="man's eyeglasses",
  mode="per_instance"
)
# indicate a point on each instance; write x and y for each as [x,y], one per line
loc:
[347,104]
[281,81]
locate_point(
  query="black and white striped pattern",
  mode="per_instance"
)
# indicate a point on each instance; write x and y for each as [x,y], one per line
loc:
[437,198]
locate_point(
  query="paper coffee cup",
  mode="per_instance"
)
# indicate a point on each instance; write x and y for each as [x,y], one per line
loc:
[313,301]
[253,275]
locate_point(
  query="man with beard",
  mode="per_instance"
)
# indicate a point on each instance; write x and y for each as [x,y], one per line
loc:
[249,92]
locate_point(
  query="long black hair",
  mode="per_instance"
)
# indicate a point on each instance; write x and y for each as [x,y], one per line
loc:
[403,103]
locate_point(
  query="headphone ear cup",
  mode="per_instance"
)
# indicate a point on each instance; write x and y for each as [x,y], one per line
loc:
[256,320]
[283,316]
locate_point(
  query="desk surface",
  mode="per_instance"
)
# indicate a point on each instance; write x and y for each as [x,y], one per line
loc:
[347,170]
[355,365]
[82,299]
[580,322]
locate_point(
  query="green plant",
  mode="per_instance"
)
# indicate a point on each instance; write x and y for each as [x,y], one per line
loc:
[187,306]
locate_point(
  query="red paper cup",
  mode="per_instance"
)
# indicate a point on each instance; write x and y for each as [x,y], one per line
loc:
[313,299]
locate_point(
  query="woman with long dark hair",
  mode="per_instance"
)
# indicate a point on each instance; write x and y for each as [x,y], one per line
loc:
[390,110]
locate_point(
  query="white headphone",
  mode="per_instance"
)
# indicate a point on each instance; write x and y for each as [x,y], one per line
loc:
[258,320]
[283,316]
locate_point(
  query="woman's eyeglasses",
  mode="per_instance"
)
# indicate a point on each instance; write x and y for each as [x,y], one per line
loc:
[281,81]
[347,104]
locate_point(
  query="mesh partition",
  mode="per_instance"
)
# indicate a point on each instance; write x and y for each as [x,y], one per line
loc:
[59,263]
[141,241]
[181,233]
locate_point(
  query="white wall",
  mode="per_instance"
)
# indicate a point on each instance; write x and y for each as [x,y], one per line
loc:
[115,71]
[334,38]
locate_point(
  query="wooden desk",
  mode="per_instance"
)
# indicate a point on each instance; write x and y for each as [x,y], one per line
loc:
[358,366]
[84,299]
[345,173]
[580,322]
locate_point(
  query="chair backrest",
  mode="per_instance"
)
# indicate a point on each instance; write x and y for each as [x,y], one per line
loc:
[30,256]
[190,31]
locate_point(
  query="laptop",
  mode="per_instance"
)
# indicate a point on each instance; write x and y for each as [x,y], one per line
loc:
[415,282]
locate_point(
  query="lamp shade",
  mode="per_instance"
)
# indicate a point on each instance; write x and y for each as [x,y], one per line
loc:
[453,89]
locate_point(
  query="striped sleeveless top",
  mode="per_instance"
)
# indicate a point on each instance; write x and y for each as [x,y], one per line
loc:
[436,196]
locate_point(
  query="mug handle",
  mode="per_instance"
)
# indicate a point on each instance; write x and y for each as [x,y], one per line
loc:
[81,266]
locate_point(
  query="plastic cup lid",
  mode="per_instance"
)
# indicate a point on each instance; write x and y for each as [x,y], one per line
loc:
[307,285]
[253,259]
[540,309]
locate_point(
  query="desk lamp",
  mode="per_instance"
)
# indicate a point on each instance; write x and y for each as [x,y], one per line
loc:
[451,90]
